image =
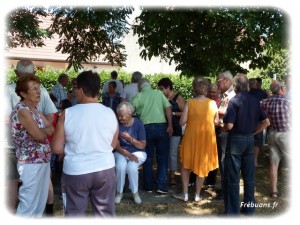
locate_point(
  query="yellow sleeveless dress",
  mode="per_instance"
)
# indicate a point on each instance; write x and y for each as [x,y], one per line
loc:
[198,151]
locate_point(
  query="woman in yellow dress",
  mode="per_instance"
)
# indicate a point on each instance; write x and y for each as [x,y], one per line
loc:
[198,151]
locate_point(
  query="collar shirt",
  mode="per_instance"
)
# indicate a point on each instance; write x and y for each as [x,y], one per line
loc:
[60,93]
[244,112]
[258,93]
[119,88]
[129,91]
[150,106]
[229,94]
[278,110]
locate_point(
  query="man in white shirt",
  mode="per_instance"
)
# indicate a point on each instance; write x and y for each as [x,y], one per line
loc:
[130,90]
[114,76]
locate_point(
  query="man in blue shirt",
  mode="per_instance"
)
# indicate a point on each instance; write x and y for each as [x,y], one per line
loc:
[259,94]
[243,119]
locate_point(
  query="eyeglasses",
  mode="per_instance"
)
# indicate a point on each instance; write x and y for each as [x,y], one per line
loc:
[283,86]
[37,88]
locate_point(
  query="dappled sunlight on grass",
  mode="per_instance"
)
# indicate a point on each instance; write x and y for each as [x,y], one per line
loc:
[163,206]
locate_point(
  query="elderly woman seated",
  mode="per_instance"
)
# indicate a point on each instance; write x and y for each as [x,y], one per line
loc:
[130,153]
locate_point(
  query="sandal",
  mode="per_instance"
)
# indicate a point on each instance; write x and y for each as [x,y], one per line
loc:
[181,196]
[274,195]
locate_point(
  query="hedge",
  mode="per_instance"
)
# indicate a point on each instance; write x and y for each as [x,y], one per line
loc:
[49,76]
[181,84]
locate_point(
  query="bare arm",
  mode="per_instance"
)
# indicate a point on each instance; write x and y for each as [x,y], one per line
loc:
[221,113]
[227,126]
[216,119]
[183,118]
[180,101]
[50,117]
[25,118]
[127,154]
[49,129]
[168,113]
[58,139]
[136,143]
[115,140]
[262,125]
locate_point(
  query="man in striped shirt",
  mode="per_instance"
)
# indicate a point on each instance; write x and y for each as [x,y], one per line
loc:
[277,108]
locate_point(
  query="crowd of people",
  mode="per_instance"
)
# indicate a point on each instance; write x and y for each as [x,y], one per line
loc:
[220,129]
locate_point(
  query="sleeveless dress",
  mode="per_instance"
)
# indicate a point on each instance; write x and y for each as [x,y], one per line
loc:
[198,151]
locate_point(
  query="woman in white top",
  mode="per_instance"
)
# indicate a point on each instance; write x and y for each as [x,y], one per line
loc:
[87,133]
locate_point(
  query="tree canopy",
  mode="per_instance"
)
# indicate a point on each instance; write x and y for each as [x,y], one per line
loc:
[204,41]
[85,33]
[201,41]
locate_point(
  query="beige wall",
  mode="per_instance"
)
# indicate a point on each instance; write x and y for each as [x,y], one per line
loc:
[62,65]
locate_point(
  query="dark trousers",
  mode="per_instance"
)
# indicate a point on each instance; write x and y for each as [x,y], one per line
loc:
[158,142]
[221,145]
[239,158]
[211,179]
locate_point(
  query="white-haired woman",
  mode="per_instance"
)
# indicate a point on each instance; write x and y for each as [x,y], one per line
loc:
[130,153]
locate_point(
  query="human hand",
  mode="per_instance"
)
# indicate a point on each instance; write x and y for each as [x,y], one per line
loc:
[170,131]
[125,135]
[133,158]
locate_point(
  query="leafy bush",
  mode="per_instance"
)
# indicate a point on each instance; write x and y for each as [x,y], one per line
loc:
[181,84]
[49,76]
[266,81]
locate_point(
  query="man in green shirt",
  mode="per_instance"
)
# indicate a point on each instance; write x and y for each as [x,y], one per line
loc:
[152,107]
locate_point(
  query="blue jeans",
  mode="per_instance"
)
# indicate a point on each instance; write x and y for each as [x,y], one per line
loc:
[157,139]
[239,157]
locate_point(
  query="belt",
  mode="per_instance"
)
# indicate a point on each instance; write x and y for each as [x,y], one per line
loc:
[151,124]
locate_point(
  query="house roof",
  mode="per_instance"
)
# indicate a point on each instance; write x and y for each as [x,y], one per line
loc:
[45,53]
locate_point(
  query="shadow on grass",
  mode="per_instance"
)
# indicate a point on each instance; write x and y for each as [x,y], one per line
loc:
[155,206]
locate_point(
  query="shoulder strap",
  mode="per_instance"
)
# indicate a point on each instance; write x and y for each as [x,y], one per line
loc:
[175,97]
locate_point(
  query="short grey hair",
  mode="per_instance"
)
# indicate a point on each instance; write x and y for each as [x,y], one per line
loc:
[136,76]
[200,86]
[144,82]
[227,74]
[275,88]
[126,105]
[240,83]
[25,66]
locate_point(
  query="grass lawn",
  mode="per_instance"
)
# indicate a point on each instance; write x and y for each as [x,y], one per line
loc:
[158,206]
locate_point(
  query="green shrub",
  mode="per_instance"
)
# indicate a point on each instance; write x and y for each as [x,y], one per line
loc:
[49,76]
[181,84]
[266,81]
